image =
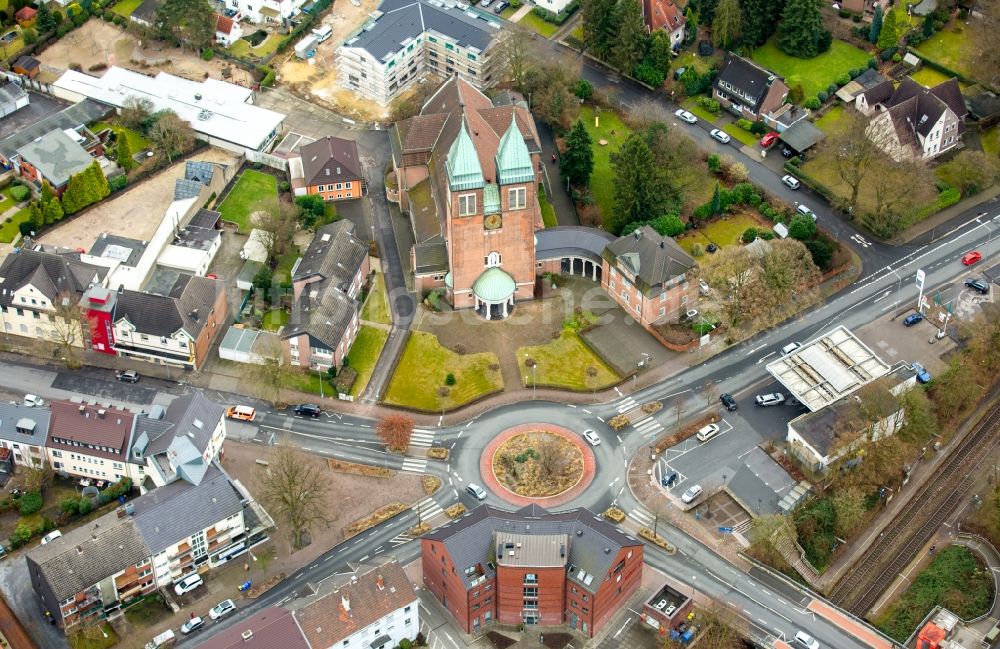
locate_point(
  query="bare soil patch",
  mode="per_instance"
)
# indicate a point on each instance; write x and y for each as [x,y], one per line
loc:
[538,464]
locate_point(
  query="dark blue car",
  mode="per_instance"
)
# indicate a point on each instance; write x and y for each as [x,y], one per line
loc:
[913,319]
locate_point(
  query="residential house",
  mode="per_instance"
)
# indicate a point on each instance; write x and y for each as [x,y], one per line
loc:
[24,431]
[665,15]
[39,293]
[269,628]
[26,16]
[331,169]
[266,11]
[89,440]
[647,275]
[553,6]
[864,8]
[110,563]
[326,284]
[227,30]
[859,85]
[531,567]
[175,329]
[28,66]
[55,156]
[749,91]
[408,39]
[917,122]
[373,607]
[145,13]
[874,97]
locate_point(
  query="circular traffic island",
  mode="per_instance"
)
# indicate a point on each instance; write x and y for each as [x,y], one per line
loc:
[541,464]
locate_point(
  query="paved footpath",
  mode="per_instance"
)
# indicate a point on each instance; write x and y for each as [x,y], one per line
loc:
[11,630]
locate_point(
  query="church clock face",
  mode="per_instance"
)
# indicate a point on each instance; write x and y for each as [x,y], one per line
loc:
[492,222]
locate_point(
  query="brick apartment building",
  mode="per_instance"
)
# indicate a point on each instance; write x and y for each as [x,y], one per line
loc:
[531,567]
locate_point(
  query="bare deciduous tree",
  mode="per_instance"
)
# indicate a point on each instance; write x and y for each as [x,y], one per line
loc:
[295,489]
[984,25]
[515,47]
[551,460]
[135,112]
[171,134]
[65,328]
[276,222]
[395,431]
[854,151]
[272,376]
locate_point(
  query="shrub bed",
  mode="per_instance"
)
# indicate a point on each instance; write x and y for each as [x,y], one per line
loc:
[431,484]
[438,453]
[656,539]
[614,514]
[380,515]
[455,510]
[360,469]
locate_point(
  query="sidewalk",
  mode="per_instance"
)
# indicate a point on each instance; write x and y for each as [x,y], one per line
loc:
[944,216]
[561,202]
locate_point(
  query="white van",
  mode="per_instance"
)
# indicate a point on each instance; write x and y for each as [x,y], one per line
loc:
[323,33]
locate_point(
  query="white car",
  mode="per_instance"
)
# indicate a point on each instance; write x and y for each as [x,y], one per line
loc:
[805,211]
[791,181]
[691,494]
[720,135]
[51,536]
[188,583]
[773,399]
[478,492]
[222,609]
[192,624]
[789,348]
[803,639]
[685,116]
[592,437]
[33,401]
[707,432]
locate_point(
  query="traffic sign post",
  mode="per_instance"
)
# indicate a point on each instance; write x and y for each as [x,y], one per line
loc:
[921,276]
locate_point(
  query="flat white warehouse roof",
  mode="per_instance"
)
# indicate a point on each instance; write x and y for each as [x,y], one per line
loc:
[213,108]
[828,368]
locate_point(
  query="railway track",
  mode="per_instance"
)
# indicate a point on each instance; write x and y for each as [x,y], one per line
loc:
[918,521]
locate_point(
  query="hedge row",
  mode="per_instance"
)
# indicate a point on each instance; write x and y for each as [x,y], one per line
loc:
[559,18]
[816,185]
[943,69]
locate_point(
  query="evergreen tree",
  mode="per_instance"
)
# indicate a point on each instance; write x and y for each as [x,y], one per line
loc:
[53,211]
[655,67]
[124,157]
[72,197]
[100,182]
[641,190]
[801,32]
[876,27]
[189,21]
[728,23]
[691,28]
[928,28]
[577,161]
[631,40]
[716,200]
[599,27]
[893,27]
[760,19]
[47,193]
[35,216]
[796,94]
[705,10]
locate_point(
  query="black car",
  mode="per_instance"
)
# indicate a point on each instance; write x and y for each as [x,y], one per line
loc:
[728,401]
[786,152]
[308,410]
[978,285]
[127,376]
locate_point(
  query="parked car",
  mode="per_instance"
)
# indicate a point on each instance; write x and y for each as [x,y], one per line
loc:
[805,211]
[33,401]
[669,480]
[923,376]
[789,348]
[978,285]
[477,491]
[719,135]
[972,257]
[791,181]
[51,536]
[222,609]
[685,116]
[773,399]
[308,410]
[127,376]
[691,494]
[243,413]
[500,7]
[912,319]
[485,4]
[707,432]
[768,140]
[786,152]
[592,437]
[188,583]
[192,624]
[728,401]
[803,639]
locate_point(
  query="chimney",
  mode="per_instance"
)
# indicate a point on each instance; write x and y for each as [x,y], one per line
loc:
[638,234]
[380,583]
[247,635]
[101,413]
[83,409]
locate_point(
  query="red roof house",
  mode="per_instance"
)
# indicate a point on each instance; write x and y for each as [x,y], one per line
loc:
[665,15]
[25,17]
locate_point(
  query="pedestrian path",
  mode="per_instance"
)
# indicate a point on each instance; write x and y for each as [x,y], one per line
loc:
[649,427]
[414,465]
[400,539]
[427,509]
[626,404]
[641,516]
[422,437]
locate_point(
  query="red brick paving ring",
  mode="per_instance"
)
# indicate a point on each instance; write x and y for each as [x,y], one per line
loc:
[567,495]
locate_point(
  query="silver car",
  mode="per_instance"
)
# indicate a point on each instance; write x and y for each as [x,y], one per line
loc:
[791,181]
[685,116]
[720,135]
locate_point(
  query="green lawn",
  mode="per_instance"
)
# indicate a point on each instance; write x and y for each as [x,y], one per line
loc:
[813,74]
[422,370]
[948,47]
[309,381]
[126,7]
[149,611]
[929,77]
[252,187]
[243,49]
[7,199]
[691,106]
[135,139]
[831,119]
[563,364]
[548,212]
[376,308]
[9,230]
[746,137]
[275,319]
[508,12]
[283,273]
[689,59]
[364,355]
[721,232]
[614,132]
[991,141]
[536,24]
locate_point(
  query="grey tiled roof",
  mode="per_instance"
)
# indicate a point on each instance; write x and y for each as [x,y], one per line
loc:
[324,318]
[552,243]
[401,20]
[177,510]
[334,254]
[330,160]
[49,273]
[85,112]
[651,257]
[87,554]
[747,77]
[270,628]
[431,257]
[15,418]
[56,156]
[593,541]
[159,315]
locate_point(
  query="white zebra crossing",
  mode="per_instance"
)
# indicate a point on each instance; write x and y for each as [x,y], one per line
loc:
[649,427]
[641,516]
[626,404]
[414,465]
[400,539]
[422,437]
[427,508]
[743,527]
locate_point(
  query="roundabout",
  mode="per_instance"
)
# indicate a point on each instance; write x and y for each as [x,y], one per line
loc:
[537,464]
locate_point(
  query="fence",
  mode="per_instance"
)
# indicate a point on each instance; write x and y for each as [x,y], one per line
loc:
[26,82]
[268,159]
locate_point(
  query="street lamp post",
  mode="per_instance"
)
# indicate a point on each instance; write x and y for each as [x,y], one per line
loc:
[899,286]
[319,373]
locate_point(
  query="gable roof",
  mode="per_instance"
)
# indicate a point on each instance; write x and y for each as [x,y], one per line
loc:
[50,273]
[28,63]
[747,77]
[334,254]
[95,425]
[330,160]
[267,629]
[223,25]
[23,425]
[652,258]
[24,13]
[357,601]
[57,156]
[915,109]
[161,315]
[664,14]
[879,93]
